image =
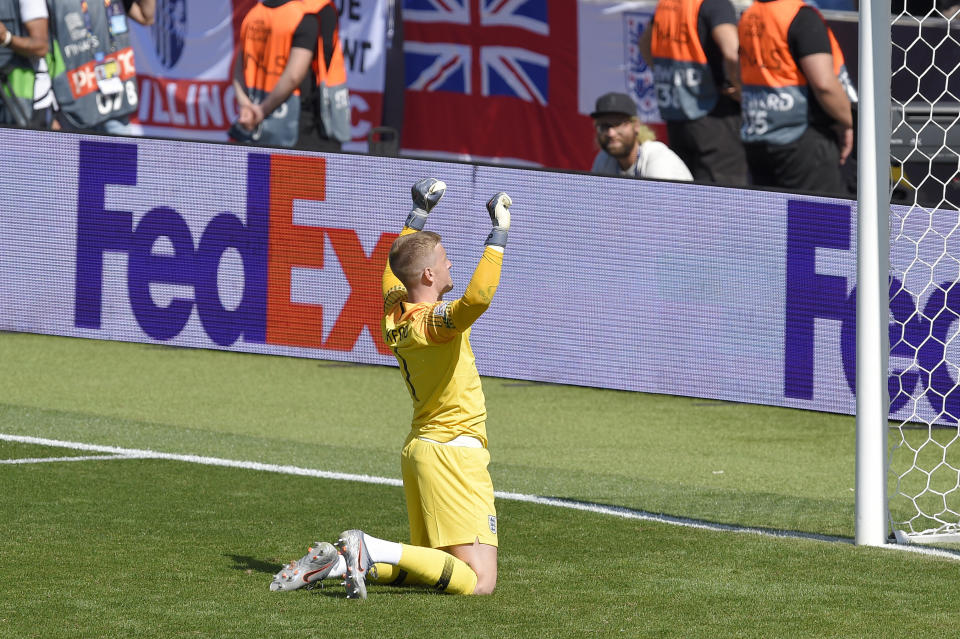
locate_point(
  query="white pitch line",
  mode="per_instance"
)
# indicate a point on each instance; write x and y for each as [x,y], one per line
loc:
[200,459]
[115,452]
[41,460]
[642,515]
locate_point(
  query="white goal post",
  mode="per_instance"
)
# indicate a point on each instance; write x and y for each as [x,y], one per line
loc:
[873,238]
[908,313]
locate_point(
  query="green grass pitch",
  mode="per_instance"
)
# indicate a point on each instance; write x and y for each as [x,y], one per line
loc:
[165,548]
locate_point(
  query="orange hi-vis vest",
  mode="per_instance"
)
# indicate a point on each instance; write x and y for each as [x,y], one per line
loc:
[686,88]
[332,93]
[266,35]
[337,73]
[776,97]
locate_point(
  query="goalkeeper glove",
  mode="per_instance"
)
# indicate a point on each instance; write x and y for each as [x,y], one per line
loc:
[499,209]
[426,193]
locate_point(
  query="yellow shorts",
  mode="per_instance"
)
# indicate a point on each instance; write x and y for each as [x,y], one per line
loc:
[449,494]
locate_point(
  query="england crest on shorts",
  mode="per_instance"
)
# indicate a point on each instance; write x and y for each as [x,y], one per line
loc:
[492,521]
[639,75]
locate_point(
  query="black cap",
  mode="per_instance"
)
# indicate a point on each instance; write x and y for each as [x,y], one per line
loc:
[615,103]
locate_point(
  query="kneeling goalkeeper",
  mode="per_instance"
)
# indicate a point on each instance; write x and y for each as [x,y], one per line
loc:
[449,494]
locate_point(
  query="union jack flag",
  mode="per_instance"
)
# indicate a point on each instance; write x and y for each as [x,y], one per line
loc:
[509,71]
[504,70]
[512,63]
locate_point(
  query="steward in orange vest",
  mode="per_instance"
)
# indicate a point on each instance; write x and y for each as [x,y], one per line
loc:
[692,47]
[797,118]
[274,75]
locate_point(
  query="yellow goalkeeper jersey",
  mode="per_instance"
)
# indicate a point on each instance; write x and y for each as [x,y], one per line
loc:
[431,342]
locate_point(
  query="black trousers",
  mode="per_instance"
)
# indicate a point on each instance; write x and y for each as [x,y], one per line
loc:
[711,148]
[811,164]
[310,136]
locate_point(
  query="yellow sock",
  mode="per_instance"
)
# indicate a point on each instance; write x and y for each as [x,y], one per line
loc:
[389,575]
[435,568]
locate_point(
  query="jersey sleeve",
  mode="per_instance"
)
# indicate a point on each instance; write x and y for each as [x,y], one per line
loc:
[447,319]
[394,291]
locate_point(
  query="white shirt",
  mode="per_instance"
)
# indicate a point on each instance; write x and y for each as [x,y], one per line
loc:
[42,93]
[654,160]
[32,10]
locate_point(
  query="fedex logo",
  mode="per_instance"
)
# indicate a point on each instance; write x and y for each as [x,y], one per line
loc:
[919,333]
[270,246]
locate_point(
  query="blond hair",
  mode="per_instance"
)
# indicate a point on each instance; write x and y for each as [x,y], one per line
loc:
[644,133]
[410,254]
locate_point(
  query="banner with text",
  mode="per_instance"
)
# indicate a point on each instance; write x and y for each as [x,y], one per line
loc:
[627,284]
[185,66]
[510,82]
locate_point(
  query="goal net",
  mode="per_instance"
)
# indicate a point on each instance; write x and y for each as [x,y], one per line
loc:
[924,357]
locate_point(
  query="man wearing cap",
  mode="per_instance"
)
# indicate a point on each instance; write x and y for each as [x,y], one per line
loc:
[629,149]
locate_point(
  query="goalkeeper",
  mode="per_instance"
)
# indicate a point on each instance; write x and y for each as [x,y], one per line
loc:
[449,494]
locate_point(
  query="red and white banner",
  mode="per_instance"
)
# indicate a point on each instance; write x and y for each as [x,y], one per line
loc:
[184,66]
[502,81]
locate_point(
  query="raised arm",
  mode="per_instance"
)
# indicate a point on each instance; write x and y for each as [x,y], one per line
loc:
[425,193]
[394,291]
[462,313]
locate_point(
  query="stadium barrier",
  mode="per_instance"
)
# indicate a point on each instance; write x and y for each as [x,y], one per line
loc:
[682,289]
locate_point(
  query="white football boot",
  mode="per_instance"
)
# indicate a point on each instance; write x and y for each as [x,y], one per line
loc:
[354,552]
[320,559]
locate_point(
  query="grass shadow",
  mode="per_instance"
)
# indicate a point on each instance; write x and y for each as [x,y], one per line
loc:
[252,564]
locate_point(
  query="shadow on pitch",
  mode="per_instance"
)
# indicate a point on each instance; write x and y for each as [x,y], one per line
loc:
[252,564]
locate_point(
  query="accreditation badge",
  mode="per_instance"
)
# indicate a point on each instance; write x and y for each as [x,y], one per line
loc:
[108,77]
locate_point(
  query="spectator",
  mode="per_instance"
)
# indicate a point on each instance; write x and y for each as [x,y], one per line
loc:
[332,101]
[275,74]
[797,114]
[23,43]
[691,45]
[94,35]
[628,147]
